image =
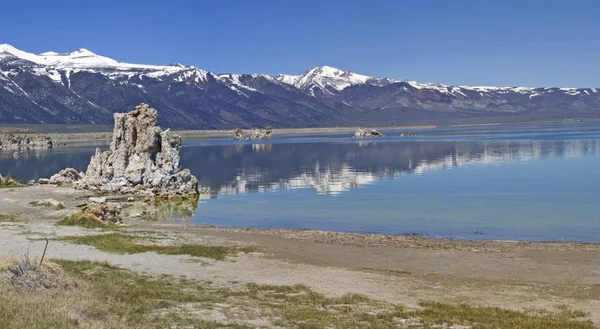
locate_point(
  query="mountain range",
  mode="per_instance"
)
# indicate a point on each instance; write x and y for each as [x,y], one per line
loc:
[82,87]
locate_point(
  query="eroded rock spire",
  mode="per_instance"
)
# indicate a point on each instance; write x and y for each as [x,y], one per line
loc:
[142,159]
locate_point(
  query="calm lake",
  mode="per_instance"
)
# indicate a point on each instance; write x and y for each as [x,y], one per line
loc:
[519,182]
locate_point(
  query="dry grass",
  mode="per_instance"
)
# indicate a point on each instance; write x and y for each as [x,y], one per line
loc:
[30,274]
[48,204]
[108,297]
[83,220]
[105,297]
[130,244]
[11,218]
[495,318]
[8,182]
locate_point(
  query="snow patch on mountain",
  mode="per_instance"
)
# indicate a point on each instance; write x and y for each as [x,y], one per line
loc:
[288,79]
[233,82]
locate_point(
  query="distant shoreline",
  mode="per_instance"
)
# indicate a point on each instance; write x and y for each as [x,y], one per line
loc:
[86,136]
[88,132]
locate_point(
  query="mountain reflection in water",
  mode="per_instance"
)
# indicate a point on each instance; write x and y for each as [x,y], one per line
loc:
[336,167]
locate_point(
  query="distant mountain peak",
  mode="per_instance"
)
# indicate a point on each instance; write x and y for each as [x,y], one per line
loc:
[327,80]
[327,70]
[7,48]
[78,57]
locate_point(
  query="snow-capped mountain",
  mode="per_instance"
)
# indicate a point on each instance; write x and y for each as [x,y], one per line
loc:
[327,81]
[83,87]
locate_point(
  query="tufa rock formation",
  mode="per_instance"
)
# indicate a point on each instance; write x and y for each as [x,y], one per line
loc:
[66,177]
[365,133]
[238,135]
[258,133]
[142,159]
[103,212]
[17,142]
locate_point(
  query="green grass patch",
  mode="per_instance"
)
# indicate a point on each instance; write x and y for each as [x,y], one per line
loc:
[494,318]
[83,220]
[48,204]
[300,307]
[8,182]
[129,244]
[11,218]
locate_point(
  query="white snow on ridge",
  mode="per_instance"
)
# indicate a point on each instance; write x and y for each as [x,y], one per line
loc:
[10,50]
[80,59]
[289,79]
[233,82]
[195,75]
[51,64]
[49,53]
[324,80]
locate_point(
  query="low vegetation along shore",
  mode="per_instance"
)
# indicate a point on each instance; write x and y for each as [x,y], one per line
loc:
[156,274]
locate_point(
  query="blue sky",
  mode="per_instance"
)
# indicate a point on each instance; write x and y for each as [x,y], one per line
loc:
[509,43]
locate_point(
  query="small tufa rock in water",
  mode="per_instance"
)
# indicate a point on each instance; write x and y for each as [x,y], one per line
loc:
[258,133]
[43,181]
[365,133]
[238,135]
[16,142]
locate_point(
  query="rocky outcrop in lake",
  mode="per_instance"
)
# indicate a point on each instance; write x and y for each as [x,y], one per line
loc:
[142,159]
[238,135]
[17,142]
[365,133]
[258,133]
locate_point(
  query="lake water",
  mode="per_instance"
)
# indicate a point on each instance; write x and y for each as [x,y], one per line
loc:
[521,182]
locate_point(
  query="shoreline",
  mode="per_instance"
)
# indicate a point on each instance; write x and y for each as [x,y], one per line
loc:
[83,137]
[356,239]
[414,241]
[404,270]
